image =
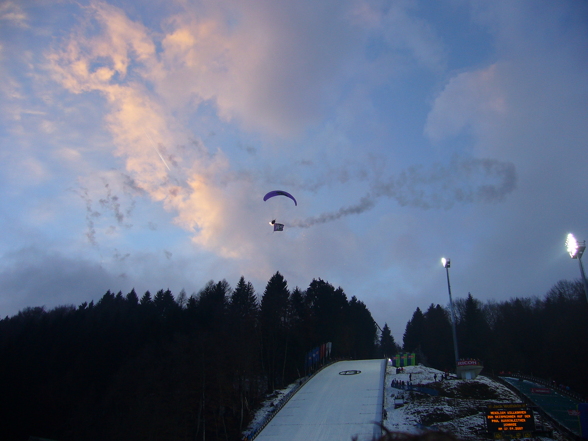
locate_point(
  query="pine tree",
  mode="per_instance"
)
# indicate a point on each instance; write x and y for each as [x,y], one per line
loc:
[212,304]
[244,344]
[243,303]
[413,335]
[165,304]
[362,329]
[132,298]
[473,331]
[329,311]
[437,341]
[146,299]
[388,346]
[273,319]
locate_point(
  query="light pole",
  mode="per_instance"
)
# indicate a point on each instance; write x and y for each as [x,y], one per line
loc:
[446,264]
[576,249]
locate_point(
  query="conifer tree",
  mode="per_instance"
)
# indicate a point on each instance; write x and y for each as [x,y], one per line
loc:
[388,346]
[413,335]
[300,330]
[437,341]
[132,298]
[473,330]
[362,329]
[146,299]
[243,303]
[329,311]
[273,316]
[244,344]
[212,304]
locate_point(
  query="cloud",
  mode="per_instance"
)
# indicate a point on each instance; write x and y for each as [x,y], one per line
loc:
[36,277]
[109,60]
[39,276]
[13,13]
[469,100]
[404,31]
[260,62]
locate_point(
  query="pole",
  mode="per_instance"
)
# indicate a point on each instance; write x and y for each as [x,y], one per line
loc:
[452,319]
[583,277]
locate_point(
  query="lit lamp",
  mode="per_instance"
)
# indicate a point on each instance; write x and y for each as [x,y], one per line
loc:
[576,249]
[446,264]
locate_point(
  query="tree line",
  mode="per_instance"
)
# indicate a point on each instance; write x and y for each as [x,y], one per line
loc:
[545,337]
[168,367]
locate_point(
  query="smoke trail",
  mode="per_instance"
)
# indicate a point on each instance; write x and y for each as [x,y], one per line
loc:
[365,203]
[462,181]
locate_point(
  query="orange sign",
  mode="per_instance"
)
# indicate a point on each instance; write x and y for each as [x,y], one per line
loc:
[515,417]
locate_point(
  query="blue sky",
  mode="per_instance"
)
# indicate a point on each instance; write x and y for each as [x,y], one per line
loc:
[137,141]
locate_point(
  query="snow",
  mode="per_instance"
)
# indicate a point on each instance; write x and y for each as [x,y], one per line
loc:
[341,402]
[333,406]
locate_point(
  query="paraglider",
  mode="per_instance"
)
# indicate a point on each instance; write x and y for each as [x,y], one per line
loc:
[271,194]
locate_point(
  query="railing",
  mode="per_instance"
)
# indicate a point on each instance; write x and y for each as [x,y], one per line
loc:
[422,389]
[563,391]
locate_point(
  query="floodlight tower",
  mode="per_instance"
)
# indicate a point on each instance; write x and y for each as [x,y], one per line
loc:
[576,249]
[446,264]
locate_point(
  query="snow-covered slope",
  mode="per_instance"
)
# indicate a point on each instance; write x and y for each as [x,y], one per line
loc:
[341,402]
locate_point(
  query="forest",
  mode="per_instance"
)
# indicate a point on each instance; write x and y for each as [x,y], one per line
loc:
[196,367]
[540,336]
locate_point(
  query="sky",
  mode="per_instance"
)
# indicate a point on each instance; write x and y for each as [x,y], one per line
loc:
[137,140]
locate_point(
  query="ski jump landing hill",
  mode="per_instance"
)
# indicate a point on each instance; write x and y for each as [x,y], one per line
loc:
[342,401]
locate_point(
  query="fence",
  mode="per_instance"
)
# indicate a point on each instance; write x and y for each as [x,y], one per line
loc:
[561,390]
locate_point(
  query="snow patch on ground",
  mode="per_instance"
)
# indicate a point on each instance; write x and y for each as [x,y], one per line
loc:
[269,406]
[458,409]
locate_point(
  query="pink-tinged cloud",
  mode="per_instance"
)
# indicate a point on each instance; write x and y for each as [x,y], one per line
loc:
[118,61]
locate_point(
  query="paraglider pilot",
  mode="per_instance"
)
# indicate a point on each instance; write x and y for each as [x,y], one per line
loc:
[277,226]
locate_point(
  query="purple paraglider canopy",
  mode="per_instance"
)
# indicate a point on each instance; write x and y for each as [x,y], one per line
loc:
[271,194]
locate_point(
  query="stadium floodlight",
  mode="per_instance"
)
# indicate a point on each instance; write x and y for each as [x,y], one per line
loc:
[576,250]
[446,264]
